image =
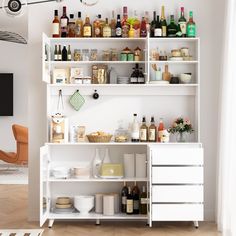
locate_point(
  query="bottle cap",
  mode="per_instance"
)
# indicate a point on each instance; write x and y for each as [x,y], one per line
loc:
[79,14]
[99,16]
[152,119]
[182,8]
[71,16]
[135,114]
[56,12]
[125,9]
[144,119]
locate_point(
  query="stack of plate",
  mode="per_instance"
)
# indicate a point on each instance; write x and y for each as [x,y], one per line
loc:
[123,80]
[63,205]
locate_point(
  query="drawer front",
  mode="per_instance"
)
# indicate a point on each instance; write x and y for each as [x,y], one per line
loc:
[177,175]
[177,156]
[185,193]
[177,212]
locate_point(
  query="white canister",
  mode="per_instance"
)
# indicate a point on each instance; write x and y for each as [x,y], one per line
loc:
[116,202]
[108,205]
[140,165]
[99,203]
[129,165]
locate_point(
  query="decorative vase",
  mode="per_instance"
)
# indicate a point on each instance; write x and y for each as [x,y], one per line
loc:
[181,137]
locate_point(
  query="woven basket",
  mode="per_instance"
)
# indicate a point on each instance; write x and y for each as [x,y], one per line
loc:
[99,139]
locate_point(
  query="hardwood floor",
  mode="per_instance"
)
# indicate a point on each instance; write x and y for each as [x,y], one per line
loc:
[13,214]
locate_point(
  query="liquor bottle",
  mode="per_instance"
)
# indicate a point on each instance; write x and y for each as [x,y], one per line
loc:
[55,53]
[79,26]
[124,23]
[71,26]
[124,193]
[106,31]
[182,24]
[69,56]
[136,25]
[59,55]
[134,76]
[152,131]
[163,22]
[118,27]
[158,29]
[166,74]
[56,25]
[87,28]
[135,130]
[141,77]
[135,195]
[172,28]
[64,53]
[113,25]
[144,131]
[143,28]
[143,201]
[97,30]
[64,23]
[160,129]
[153,25]
[129,202]
[191,26]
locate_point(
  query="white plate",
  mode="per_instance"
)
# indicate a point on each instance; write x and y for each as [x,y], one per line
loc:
[112,177]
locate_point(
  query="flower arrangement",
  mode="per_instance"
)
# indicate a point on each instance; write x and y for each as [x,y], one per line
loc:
[181,125]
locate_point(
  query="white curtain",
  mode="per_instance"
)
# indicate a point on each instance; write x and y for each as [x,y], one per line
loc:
[226,215]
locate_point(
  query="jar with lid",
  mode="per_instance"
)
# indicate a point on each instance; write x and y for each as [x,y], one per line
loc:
[77,55]
[121,134]
[114,55]
[137,54]
[106,55]
[93,55]
[85,54]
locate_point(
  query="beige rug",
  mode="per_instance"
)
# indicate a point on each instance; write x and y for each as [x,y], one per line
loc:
[21,232]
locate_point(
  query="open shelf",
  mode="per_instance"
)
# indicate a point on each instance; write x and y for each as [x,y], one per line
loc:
[174,39]
[68,63]
[174,62]
[52,179]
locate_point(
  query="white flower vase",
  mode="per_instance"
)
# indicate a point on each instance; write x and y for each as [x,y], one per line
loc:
[181,137]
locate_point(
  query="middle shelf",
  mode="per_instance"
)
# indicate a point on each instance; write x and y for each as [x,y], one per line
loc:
[52,179]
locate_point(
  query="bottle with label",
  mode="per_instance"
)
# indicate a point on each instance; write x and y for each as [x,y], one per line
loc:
[79,26]
[143,131]
[135,195]
[97,162]
[87,28]
[191,26]
[141,77]
[97,30]
[158,29]
[152,131]
[153,25]
[182,25]
[134,76]
[135,130]
[118,27]
[143,201]
[160,129]
[106,31]
[55,53]
[166,75]
[129,202]
[64,23]
[136,25]
[56,25]
[113,25]
[163,22]
[64,53]
[124,23]
[124,194]
[71,26]
[172,28]
[143,28]
[59,54]
[69,56]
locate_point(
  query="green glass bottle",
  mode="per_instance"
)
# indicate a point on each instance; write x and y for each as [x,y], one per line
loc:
[182,25]
[163,22]
[191,26]
[172,28]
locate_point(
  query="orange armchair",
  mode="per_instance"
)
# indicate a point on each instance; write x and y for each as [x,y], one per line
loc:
[21,156]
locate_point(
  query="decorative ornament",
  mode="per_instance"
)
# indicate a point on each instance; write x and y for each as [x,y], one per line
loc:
[89,3]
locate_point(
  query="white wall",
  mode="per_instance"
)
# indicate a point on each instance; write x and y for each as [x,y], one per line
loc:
[205,13]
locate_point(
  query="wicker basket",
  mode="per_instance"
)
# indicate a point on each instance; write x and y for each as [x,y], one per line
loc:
[99,138]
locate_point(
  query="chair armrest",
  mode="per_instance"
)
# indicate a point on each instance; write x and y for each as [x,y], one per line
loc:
[20,133]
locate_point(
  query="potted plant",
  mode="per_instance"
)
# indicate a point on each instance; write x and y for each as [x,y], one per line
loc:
[181,126]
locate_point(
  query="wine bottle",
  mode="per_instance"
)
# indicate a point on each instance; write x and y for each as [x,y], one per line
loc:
[153,25]
[64,23]
[135,130]
[135,195]
[79,26]
[152,131]
[69,56]
[106,32]
[144,131]
[160,129]
[56,25]
[113,25]
[71,26]
[163,22]
[172,28]
[124,23]
[129,202]
[64,53]
[182,24]
[191,26]
[134,76]
[124,194]
[87,28]
[141,77]
[143,201]
[143,28]
[59,55]
[118,27]
[55,53]
[97,29]
[158,29]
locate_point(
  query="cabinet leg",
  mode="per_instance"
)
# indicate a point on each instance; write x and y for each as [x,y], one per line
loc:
[196,225]
[98,222]
[50,223]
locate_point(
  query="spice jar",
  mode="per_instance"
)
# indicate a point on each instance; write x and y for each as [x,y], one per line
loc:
[124,54]
[114,55]
[137,54]
[85,54]
[130,56]
[94,55]
[106,55]
[77,55]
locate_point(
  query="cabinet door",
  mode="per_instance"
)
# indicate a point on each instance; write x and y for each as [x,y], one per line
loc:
[46,67]
[44,188]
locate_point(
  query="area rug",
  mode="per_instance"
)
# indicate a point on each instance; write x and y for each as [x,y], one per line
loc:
[21,232]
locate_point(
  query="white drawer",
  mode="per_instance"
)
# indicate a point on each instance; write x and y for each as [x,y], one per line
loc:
[177,156]
[177,212]
[181,193]
[177,175]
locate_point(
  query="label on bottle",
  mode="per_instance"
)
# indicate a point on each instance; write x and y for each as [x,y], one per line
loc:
[152,135]
[141,80]
[78,30]
[106,32]
[87,31]
[164,31]
[124,199]
[55,28]
[135,135]
[158,32]
[172,32]
[160,135]
[143,200]
[183,27]
[97,31]
[56,57]
[191,30]
[133,80]
[64,22]
[129,207]
[118,31]
[59,57]
[69,57]
[143,134]
[125,31]
[136,205]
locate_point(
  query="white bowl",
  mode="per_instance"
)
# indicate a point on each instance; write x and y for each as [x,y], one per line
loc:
[84,204]
[185,78]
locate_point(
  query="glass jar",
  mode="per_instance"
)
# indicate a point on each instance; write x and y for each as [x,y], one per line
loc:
[85,54]
[93,55]
[121,134]
[77,55]
[106,55]
[114,55]
[130,56]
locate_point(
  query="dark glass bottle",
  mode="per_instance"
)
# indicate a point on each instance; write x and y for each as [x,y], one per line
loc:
[158,29]
[59,55]
[143,28]
[118,27]
[129,202]
[64,53]
[163,22]
[135,195]
[64,23]
[172,28]
[134,76]
[153,25]
[182,24]
[124,194]
[143,201]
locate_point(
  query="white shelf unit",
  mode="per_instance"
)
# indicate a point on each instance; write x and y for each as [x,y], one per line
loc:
[171,100]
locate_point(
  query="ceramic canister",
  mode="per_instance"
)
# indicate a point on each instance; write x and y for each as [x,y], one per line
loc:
[99,203]
[108,205]
[140,165]
[129,165]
